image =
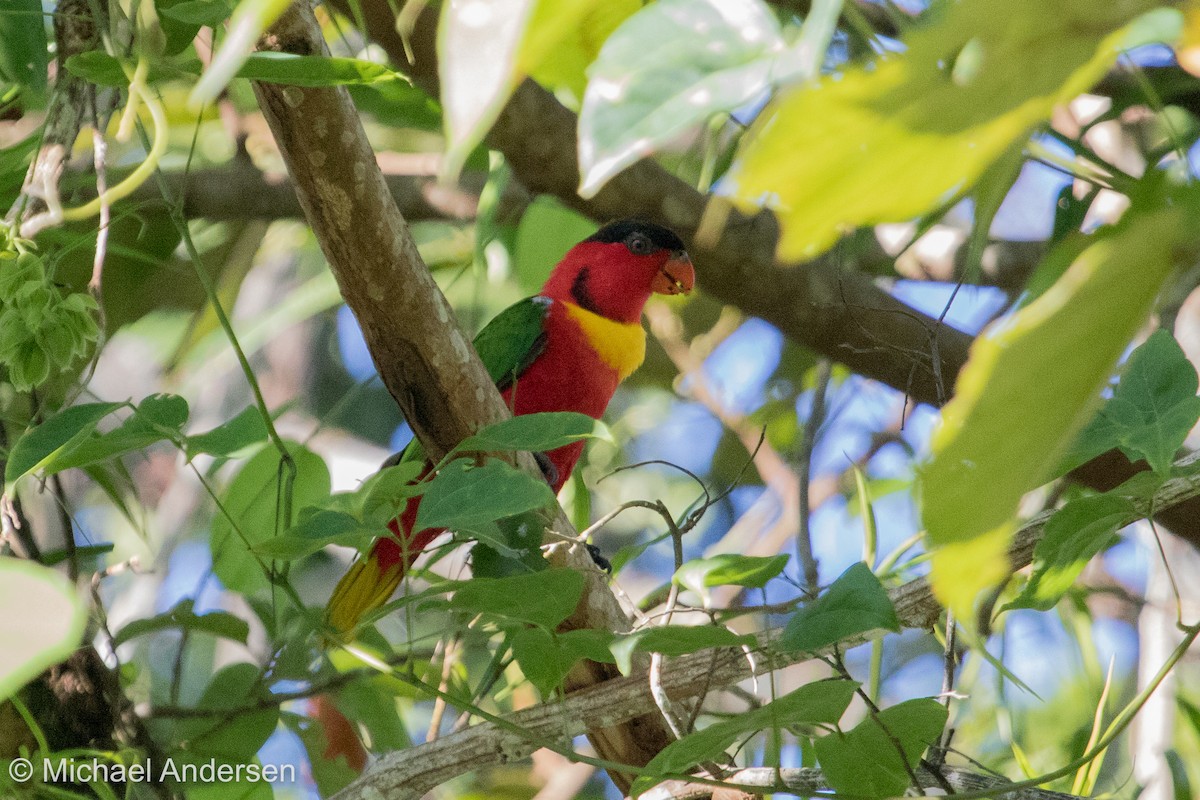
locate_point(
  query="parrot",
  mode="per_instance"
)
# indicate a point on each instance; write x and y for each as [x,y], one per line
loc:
[564,349]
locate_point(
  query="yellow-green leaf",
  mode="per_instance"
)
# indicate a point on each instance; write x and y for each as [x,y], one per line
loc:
[890,141]
[1030,383]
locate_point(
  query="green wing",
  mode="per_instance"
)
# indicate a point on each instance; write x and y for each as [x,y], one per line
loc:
[509,343]
[507,346]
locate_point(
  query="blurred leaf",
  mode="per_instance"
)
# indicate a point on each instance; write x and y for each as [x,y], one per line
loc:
[330,771]
[1181,785]
[1152,409]
[535,432]
[23,48]
[372,705]
[183,617]
[728,569]
[247,428]
[562,39]
[856,602]
[39,445]
[49,629]
[1076,532]
[667,68]
[82,553]
[543,598]
[399,104]
[464,497]
[889,141]
[202,13]
[674,640]
[819,703]
[865,762]
[547,231]
[477,51]
[233,738]
[294,70]
[1027,388]
[283,68]
[251,504]
[249,20]
[102,69]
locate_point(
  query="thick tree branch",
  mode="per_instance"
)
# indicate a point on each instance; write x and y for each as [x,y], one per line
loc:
[423,357]
[411,773]
[840,314]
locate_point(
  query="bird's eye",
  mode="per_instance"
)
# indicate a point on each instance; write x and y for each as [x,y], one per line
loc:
[639,244]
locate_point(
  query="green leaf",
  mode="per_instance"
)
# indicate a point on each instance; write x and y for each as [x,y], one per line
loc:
[535,432]
[477,50]
[384,495]
[1155,404]
[182,617]
[819,703]
[667,68]
[674,640]
[397,104]
[891,140]
[204,13]
[232,738]
[23,51]
[40,444]
[464,497]
[1027,389]
[98,67]
[542,598]
[157,418]
[729,569]
[865,761]
[856,602]
[41,622]
[251,504]
[545,657]
[315,530]
[1076,532]
[91,551]
[294,70]
[562,39]
[1152,409]
[371,704]
[250,19]
[227,439]
[547,230]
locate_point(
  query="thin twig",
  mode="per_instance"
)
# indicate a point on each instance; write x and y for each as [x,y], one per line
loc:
[816,417]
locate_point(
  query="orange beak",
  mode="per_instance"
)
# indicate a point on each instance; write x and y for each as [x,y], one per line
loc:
[676,275]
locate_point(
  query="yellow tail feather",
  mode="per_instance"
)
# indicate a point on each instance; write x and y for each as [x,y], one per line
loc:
[362,589]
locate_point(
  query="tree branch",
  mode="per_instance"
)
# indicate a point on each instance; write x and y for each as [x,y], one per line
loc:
[807,782]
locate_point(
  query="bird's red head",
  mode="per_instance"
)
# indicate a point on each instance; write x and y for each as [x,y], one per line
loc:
[614,271]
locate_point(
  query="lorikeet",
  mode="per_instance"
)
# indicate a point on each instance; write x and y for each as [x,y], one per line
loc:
[565,349]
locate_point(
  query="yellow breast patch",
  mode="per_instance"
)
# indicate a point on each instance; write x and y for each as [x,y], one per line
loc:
[620,345]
